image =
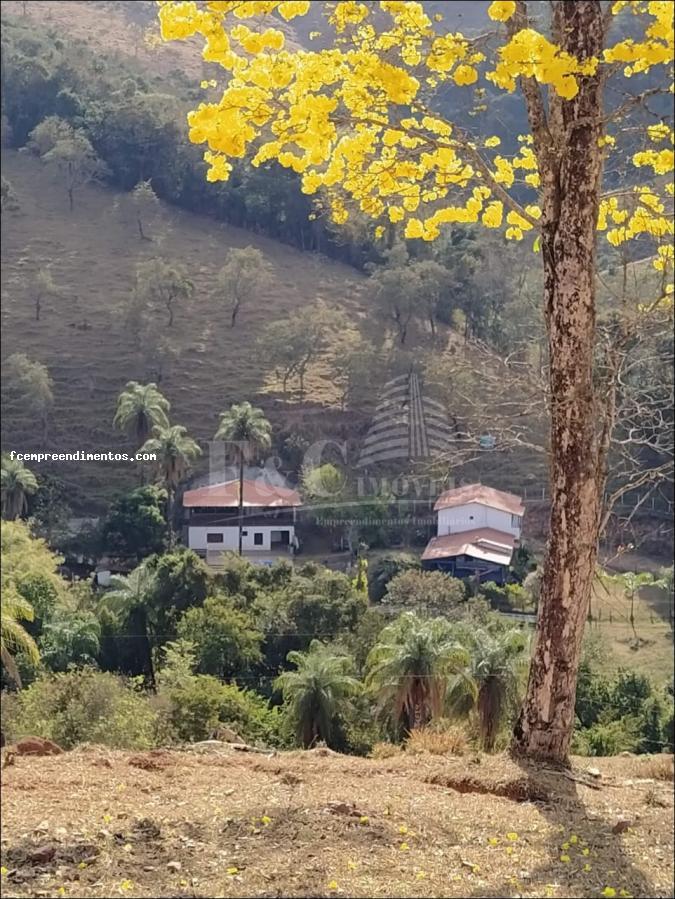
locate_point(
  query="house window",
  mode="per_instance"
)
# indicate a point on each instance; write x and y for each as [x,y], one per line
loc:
[515,521]
[214,538]
[258,539]
[244,533]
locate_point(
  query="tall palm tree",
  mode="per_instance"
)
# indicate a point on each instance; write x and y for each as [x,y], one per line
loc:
[128,599]
[410,667]
[174,450]
[247,427]
[317,691]
[13,635]
[490,682]
[140,408]
[17,483]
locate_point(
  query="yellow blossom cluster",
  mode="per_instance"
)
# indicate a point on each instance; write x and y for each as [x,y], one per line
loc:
[532,55]
[353,119]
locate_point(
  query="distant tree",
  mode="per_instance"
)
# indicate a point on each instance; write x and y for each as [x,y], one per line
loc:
[225,638]
[135,526]
[242,278]
[129,599]
[291,345]
[9,201]
[27,389]
[410,667]
[632,582]
[51,511]
[174,450]
[70,638]
[431,592]
[181,581]
[41,286]
[385,568]
[140,408]
[313,602]
[395,289]
[162,283]
[354,362]
[76,159]
[434,286]
[246,427]
[667,578]
[47,134]
[490,682]
[315,694]
[18,483]
[322,484]
[146,206]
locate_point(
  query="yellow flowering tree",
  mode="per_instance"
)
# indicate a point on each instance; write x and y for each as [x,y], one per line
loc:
[358,120]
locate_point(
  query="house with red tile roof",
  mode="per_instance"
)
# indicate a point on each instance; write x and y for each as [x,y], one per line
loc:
[212,519]
[477,532]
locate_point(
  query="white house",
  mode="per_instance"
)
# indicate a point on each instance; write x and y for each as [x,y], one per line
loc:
[477,506]
[477,531]
[212,520]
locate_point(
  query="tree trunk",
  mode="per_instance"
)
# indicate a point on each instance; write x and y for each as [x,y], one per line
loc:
[169,516]
[570,169]
[241,498]
[235,310]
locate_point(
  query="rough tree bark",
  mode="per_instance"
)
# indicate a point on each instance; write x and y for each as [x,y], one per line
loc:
[570,162]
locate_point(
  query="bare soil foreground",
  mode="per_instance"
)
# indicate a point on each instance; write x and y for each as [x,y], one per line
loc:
[94,822]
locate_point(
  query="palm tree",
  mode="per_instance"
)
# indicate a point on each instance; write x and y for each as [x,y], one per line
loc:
[490,681]
[13,636]
[247,427]
[17,482]
[174,450]
[140,408]
[317,691]
[410,668]
[128,599]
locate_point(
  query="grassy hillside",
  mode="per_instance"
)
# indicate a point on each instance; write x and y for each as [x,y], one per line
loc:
[92,254]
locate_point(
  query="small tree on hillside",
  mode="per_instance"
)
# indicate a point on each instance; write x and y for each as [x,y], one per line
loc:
[76,160]
[162,283]
[42,286]
[8,198]
[291,345]
[145,204]
[27,389]
[395,291]
[243,277]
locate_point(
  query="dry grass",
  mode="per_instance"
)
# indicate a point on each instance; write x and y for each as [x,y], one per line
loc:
[450,740]
[658,767]
[89,824]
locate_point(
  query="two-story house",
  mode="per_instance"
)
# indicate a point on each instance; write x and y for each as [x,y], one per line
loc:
[478,529]
[212,520]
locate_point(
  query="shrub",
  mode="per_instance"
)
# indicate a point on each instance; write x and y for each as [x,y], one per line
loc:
[385,750]
[201,702]
[441,739]
[224,637]
[429,591]
[658,767]
[84,706]
[385,569]
[607,739]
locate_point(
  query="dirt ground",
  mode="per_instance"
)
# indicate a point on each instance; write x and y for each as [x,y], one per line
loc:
[95,822]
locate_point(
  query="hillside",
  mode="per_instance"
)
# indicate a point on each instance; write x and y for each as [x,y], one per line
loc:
[104,823]
[91,255]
